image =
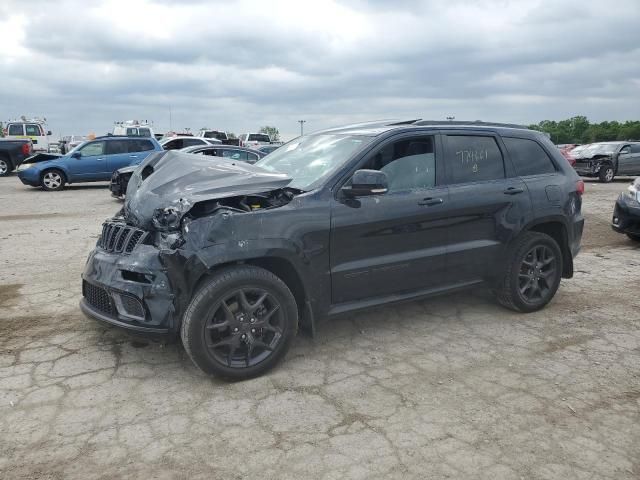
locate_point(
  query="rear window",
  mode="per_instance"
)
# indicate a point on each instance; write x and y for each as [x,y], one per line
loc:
[258,137]
[190,142]
[528,157]
[474,159]
[140,146]
[16,129]
[144,132]
[115,147]
[33,130]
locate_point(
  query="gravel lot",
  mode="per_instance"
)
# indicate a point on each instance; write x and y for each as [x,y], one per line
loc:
[452,387]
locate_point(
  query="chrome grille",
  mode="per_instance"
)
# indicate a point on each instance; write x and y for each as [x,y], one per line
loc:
[120,237]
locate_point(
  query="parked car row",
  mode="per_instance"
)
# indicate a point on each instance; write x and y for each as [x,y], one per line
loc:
[604,160]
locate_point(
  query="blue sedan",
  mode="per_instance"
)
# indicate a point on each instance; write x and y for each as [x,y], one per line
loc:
[92,161]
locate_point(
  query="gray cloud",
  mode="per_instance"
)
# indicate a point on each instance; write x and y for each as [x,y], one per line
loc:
[239,65]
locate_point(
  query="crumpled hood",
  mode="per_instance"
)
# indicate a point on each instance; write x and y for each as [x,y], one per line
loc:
[179,180]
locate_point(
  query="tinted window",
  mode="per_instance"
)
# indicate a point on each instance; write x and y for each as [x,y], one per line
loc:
[116,146]
[235,154]
[140,145]
[259,137]
[132,131]
[173,144]
[190,142]
[33,130]
[16,130]
[144,132]
[528,157]
[409,164]
[474,159]
[252,157]
[635,148]
[91,149]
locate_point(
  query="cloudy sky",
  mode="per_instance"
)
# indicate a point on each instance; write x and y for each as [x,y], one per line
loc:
[238,65]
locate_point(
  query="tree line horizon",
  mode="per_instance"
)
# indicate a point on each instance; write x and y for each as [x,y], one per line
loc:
[579,129]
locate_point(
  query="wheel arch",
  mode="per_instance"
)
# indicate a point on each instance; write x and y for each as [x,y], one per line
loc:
[285,271]
[557,230]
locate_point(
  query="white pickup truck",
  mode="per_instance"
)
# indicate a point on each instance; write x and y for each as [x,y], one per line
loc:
[33,129]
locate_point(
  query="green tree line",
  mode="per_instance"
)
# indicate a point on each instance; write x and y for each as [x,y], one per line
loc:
[580,130]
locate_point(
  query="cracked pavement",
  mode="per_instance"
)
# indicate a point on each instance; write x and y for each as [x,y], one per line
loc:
[452,387]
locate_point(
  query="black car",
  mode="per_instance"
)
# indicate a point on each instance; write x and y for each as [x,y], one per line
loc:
[605,160]
[626,213]
[233,258]
[120,178]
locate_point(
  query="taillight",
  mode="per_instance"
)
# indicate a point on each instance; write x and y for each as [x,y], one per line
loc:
[580,187]
[26,149]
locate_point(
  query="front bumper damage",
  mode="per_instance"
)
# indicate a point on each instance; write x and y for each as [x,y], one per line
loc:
[626,215]
[131,291]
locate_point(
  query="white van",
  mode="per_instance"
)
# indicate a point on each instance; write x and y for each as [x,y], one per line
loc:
[133,128]
[33,129]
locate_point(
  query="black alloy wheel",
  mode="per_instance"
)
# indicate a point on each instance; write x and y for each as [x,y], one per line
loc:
[240,322]
[245,327]
[538,273]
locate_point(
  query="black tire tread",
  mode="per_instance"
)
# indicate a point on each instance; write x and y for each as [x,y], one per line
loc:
[218,280]
[505,291]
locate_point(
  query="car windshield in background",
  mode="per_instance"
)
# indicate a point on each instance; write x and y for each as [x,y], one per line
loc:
[307,160]
[256,137]
[601,149]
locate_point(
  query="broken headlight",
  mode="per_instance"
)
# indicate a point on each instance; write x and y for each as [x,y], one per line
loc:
[634,191]
[166,219]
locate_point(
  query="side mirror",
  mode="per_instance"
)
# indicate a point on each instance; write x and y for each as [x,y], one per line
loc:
[366,182]
[49,133]
[76,155]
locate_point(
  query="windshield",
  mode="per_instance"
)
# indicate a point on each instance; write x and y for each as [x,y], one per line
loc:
[307,160]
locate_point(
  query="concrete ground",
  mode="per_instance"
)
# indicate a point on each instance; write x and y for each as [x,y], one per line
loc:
[453,387]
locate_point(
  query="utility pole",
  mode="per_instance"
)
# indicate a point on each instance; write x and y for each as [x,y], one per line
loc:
[170,123]
[302,122]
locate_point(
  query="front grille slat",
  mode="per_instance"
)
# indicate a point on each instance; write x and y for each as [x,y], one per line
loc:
[120,238]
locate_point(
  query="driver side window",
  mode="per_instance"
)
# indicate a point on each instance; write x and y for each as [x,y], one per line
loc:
[626,149]
[409,164]
[92,149]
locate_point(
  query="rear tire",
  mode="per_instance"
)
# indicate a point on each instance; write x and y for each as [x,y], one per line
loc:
[5,167]
[635,238]
[52,180]
[240,323]
[606,174]
[532,274]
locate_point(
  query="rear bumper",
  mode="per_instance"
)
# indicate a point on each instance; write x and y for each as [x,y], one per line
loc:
[626,216]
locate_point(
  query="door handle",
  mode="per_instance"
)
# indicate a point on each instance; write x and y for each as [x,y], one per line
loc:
[513,191]
[430,202]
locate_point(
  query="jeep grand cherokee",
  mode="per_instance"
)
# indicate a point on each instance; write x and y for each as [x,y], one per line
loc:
[233,258]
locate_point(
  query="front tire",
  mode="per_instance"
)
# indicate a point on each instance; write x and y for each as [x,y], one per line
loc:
[240,323]
[52,180]
[532,276]
[606,174]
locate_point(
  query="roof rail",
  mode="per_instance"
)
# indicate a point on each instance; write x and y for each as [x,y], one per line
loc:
[373,124]
[110,135]
[478,123]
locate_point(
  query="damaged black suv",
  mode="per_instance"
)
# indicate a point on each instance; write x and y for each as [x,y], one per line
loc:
[234,258]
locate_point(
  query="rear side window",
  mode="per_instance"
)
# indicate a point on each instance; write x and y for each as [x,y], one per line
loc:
[33,130]
[635,148]
[140,146]
[16,130]
[115,147]
[474,159]
[190,142]
[528,157]
[259,137]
